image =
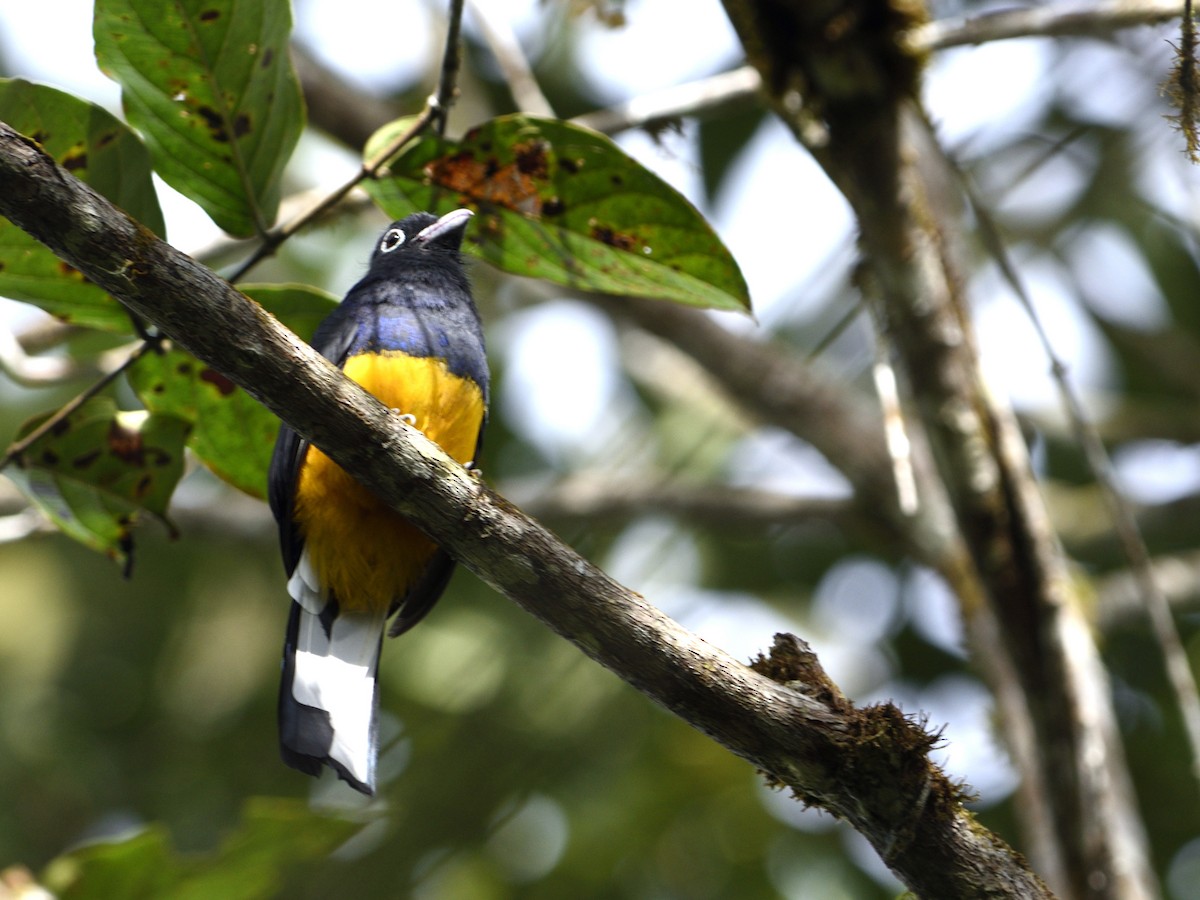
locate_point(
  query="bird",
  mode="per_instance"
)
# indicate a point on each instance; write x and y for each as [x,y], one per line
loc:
[410,334]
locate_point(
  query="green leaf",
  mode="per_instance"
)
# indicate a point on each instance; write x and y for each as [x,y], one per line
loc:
[98,469]
[98,149]
[233,433]
[1169,252]
[274,835]
[133,867]
[386,135]
[566,204]
[721,140]
[210,84]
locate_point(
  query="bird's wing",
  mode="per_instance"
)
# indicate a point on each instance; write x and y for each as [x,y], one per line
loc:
[332,340]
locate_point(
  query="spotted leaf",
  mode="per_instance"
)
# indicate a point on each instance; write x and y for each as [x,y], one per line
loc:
[96,471]
[96,148]
[566,204]
[211,86]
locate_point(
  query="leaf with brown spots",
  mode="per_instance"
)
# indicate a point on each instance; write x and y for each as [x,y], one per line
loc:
[98,149]
[233,433]
[566,204]
[212,88]
[95,475]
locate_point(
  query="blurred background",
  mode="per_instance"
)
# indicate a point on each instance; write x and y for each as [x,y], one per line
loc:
[513,766]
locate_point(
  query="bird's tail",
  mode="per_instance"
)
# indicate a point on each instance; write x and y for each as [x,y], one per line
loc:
[328,698]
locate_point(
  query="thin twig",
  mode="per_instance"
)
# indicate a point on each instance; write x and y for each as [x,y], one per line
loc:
[600,495]
[895,432]
[447,87]
[18,447]
[1119,596]
[26,368]
[369,169]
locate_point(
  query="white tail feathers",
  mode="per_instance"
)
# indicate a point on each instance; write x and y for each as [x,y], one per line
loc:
[328,699]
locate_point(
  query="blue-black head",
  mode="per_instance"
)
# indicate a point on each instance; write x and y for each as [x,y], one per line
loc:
[422,238]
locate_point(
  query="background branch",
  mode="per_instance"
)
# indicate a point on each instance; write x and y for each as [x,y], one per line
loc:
[868,135]
[1048,20]
[600,497]
[518,73]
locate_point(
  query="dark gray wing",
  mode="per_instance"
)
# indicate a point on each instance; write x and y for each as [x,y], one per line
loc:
[333,340]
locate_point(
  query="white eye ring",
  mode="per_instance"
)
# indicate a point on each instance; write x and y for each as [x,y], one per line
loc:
[392,239]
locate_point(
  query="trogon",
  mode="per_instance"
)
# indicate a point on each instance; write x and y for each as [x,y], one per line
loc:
[410,334]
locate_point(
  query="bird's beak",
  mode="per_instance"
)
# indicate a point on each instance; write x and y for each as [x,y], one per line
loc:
[452,223]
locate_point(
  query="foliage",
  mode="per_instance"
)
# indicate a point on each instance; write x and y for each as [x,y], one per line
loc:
[272,834]
[94,470]
[100,150]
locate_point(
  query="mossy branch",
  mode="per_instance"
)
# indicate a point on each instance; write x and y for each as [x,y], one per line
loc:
[1182,85]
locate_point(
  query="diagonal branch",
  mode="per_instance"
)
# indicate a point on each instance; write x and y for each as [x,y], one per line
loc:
[869,767]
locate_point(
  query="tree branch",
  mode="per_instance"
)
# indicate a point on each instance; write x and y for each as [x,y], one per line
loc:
[706,96]
[518,73]
[869,767]
[1119,597]
[772,386]
[1053,20]
[852,102]
[27,368]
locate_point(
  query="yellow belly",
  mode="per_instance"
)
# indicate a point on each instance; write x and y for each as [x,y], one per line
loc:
[368,555]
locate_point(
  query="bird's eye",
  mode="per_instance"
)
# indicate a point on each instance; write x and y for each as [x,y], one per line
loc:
[392,239]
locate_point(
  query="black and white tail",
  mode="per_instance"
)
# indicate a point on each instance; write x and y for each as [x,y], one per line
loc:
[328,697]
